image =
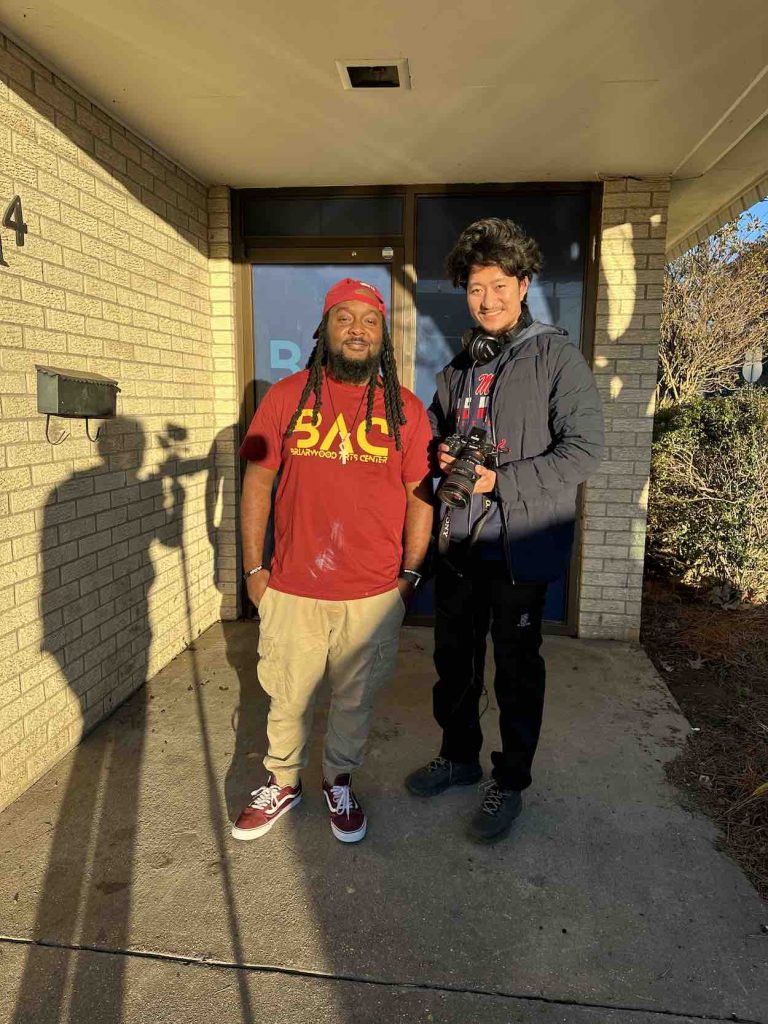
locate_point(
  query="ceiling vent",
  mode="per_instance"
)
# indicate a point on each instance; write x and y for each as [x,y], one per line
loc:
[374,74]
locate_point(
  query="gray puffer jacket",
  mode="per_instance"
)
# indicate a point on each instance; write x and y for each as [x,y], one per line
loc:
[547,420]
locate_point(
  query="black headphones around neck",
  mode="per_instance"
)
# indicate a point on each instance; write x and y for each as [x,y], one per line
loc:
[482,347]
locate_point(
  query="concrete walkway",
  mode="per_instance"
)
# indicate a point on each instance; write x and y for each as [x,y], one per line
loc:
[123,899]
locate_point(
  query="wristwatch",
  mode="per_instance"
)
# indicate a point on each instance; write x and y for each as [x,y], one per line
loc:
[412,577]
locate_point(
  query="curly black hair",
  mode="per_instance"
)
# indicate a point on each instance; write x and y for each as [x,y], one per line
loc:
[493,242]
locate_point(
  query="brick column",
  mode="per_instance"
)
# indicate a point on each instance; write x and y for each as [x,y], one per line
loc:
[226,406]
[625,363]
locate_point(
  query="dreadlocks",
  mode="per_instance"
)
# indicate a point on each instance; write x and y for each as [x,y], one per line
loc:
[315,363]
[393,401]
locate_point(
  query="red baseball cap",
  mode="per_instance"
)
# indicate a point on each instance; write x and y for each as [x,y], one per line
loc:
[349,288]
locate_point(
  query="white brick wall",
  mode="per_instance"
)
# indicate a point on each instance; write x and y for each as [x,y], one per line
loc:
[625,362]
[226,396]
[114,278]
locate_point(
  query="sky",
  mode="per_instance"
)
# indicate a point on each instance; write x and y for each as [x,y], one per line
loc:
[759,210]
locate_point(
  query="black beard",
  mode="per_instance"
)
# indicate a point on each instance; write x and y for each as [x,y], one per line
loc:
[352,371]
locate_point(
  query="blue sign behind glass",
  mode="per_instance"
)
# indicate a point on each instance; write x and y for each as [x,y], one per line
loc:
[287,307]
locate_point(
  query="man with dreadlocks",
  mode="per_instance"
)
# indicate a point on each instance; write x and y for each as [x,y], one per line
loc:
[532,394]
[352,520]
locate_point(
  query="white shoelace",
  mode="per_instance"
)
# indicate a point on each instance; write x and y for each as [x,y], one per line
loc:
[343,801]
[493,798]
[264,797]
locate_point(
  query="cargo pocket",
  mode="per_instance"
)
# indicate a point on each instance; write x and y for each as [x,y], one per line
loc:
[384,663]
[271,668]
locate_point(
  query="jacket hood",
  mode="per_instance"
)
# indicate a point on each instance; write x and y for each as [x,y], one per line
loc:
[538,327]
[535,329]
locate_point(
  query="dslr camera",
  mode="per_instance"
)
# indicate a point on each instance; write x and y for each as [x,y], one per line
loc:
[469,450]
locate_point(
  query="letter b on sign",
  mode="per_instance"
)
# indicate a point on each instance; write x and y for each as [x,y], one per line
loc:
[284,355]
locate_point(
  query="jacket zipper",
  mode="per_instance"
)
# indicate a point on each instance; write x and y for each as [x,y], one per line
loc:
[507,553]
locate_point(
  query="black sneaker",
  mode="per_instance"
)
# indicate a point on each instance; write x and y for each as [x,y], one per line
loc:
[494,818]
[441,773]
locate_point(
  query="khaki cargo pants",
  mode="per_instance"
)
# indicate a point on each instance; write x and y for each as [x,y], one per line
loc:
[301,642]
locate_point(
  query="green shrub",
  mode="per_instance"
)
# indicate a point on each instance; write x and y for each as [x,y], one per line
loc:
[708,508]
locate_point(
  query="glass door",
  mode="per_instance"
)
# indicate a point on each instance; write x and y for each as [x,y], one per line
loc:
[287,306]
[560,224]
[287,303]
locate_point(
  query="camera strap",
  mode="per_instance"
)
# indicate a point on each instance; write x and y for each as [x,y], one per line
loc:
[477,529]
[444,536]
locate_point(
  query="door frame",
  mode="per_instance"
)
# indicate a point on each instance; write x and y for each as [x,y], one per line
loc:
[344,249]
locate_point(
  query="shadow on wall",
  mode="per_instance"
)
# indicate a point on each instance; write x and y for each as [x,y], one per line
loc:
[96,624]
[248,723]
[222,493]
[222,517]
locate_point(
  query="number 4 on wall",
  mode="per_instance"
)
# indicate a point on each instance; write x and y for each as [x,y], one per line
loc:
[13,218]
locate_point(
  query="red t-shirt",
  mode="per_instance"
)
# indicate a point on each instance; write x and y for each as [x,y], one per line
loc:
[338,525]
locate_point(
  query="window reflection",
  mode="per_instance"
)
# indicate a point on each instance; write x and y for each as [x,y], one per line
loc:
[559,223]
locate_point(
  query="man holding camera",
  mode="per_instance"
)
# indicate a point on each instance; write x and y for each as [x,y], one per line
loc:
[519,423]
[352,521]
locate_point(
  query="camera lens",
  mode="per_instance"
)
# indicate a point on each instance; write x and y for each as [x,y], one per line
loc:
[454,492]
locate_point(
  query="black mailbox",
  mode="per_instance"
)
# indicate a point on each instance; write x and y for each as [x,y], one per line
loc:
[75,394]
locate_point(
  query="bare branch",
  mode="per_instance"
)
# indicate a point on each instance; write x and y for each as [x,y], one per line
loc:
[715,309]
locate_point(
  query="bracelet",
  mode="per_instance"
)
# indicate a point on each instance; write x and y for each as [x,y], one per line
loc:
[252,572]
[417,577]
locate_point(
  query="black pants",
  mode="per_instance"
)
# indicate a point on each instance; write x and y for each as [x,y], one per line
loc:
[466,605]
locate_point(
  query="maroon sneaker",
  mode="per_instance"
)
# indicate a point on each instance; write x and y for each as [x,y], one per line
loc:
[348,820]
[269,803]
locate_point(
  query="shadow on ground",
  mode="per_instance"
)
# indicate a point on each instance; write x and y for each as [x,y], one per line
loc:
[610,903]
